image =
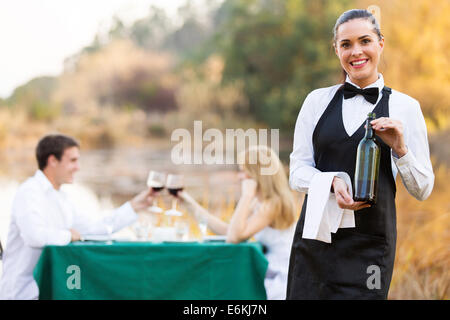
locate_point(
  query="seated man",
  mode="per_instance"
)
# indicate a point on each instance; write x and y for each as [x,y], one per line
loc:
[42,215]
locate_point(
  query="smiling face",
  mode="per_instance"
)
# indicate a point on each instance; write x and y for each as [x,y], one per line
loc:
[359,48]
[62,171]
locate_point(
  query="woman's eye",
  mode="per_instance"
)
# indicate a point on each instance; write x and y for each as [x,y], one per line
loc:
[345,45]
[365,41]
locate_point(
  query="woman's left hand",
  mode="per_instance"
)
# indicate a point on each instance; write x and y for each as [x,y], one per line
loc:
[391,132]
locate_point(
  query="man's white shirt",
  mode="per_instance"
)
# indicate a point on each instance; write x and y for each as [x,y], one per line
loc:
[43,216]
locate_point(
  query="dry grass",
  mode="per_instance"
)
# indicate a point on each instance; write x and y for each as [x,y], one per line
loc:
[422,261]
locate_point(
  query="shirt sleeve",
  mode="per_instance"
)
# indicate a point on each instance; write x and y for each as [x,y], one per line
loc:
[302,167]
[119,218]
[415,167]
[32,222]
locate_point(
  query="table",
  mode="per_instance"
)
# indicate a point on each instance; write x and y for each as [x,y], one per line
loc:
[144,270]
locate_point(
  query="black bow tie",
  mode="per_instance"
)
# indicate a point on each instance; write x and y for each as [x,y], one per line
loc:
[370,94]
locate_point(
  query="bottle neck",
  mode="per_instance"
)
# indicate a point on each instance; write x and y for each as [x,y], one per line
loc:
[369,130]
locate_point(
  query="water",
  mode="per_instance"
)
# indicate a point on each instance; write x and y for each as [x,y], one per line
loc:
[7,190]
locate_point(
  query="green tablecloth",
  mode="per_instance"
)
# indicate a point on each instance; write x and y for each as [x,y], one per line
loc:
[138,270]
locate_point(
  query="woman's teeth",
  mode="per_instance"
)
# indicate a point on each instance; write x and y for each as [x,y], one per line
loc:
[357,63]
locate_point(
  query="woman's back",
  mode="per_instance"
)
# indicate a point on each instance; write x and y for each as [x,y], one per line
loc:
[277,244]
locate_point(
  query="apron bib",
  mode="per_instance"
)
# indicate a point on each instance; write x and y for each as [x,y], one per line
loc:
[359,262]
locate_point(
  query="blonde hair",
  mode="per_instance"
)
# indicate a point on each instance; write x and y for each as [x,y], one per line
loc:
[273,188]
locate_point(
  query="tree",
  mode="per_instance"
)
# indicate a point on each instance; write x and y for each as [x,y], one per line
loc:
[416,55]
[281,50]
[150,32]
[35,98]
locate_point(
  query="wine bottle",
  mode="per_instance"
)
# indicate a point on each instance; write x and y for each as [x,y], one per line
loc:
[367,165]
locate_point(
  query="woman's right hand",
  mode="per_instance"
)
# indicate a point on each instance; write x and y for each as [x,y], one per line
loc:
[343,197]
[249,187]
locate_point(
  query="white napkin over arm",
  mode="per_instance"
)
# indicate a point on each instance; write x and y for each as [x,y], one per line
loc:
[323,215]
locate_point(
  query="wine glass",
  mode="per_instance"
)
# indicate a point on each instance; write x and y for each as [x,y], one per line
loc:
[181,230]
[174,185]
[142,227]
[156,182]
[202,225]
[109,225]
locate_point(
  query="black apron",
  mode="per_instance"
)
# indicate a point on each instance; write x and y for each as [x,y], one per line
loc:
[348,267]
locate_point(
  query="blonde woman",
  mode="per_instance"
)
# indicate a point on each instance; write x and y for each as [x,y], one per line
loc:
[265,211]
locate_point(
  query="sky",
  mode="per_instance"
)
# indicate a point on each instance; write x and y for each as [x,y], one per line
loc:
[37,35]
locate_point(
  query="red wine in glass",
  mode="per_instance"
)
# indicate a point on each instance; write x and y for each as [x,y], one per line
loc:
[174,191]
[157,189]
[156,182]
[174,184]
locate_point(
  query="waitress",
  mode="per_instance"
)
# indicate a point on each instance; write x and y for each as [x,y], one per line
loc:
[328,129]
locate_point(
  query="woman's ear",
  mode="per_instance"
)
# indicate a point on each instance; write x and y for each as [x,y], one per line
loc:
[381,43]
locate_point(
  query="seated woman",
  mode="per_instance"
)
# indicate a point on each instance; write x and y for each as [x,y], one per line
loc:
[265,211]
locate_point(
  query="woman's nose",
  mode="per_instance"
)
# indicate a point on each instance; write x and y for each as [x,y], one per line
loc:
[356,50]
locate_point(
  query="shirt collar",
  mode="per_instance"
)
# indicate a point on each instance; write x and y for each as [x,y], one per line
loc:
[377,84]
[43,180]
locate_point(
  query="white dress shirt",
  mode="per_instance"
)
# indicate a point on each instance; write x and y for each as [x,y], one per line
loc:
[323,216]
[414,167]
[43,216]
